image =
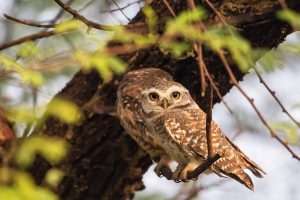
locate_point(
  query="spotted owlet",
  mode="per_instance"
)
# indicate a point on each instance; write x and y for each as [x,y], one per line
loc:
[161,116]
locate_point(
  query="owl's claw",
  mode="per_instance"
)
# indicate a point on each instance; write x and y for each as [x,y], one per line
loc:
[188,168]
[178,171]
[163,169]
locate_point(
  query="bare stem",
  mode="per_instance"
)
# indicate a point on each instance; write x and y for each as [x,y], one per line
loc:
[251,101]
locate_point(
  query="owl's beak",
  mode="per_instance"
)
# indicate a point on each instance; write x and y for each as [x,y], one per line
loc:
[165,104]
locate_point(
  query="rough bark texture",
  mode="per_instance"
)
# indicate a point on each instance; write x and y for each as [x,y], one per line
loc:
[105,163]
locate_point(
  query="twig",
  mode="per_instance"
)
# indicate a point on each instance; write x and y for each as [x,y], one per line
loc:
[275,97]
[198,49]
[212,82]
[283,4]
[169,8]
[29,23]
[201,68]
[31,37]
[251,101]
[76,15]
[216,11]
[209,98]
[61,12]
[202,65]
[121,10]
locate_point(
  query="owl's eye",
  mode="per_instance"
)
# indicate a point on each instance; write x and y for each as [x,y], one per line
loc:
[153,96]
[175,95]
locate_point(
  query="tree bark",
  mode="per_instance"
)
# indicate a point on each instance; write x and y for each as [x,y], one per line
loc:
[104,162]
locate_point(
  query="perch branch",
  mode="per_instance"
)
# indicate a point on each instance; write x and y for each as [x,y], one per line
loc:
[204,166]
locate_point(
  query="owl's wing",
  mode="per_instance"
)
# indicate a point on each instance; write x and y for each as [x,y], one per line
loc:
[188,129]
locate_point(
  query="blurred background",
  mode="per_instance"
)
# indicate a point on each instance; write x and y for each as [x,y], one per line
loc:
[283,172]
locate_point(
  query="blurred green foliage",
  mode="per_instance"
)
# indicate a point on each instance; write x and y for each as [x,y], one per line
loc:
[289,129]
[290,16]
[17,184]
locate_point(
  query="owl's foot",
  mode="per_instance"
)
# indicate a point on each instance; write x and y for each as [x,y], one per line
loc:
[176,174]
[188,168]
[162,168]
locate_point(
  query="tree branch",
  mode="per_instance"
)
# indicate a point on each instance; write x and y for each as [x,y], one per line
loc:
[251,101]
[29,23]
[31,37]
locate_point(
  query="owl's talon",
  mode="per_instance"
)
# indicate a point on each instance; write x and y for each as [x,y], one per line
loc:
[162,168]
[177,173]
[188,168]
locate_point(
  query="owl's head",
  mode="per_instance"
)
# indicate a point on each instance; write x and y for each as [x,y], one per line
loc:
[163,96]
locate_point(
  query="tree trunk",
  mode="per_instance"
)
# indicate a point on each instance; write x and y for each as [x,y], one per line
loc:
[104,162]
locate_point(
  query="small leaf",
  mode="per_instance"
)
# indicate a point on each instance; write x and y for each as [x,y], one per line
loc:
[151,18]
[289,129]
[69,25]
[290,16]
[52,149]
[28,49]
[21,114]
[176,48]
[27,76]
[185,19]
[53,177]
[105,64]
[64,110]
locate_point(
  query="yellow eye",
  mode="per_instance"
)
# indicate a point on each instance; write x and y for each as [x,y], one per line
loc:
[175,95]
[153,96]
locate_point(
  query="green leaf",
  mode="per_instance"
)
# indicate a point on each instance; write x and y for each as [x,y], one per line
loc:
[27,76]
[52,149]
[182,23]
[290,16]
[289,129]
[23,187]
[133,38]
[28,49]
[270,60]
[218,38]
[151,18]
[64,110]
[53,177]
[69,26]
[105,64]
[175,47]
[21,114]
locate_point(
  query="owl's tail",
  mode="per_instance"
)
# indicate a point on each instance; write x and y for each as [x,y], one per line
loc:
[233,163]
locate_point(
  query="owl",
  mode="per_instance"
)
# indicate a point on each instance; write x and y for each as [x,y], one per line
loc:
[161,116]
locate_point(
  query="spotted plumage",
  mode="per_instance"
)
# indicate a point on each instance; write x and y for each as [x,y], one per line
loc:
[166,122]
